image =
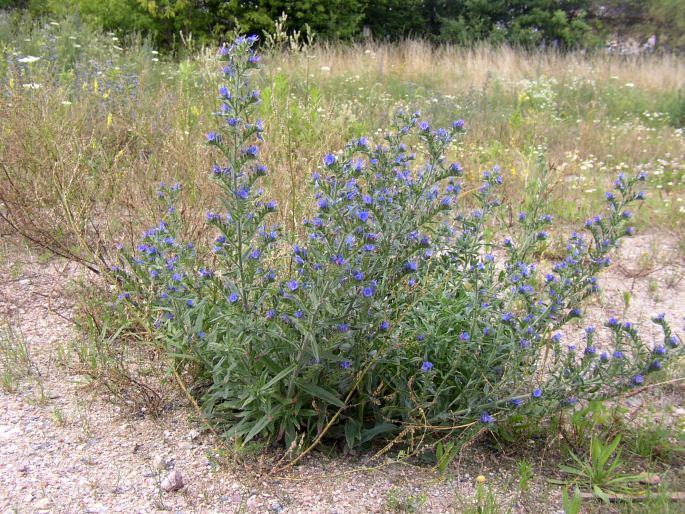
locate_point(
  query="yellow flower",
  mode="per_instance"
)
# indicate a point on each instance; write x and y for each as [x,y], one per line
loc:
[96,86]
[11,83]
[109,120]
[481,479]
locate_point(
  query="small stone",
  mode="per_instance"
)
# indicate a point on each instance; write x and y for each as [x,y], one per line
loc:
[96,509]
[22,468]
[275,507]
[193,434]
[160,462]
[173,482]
[42,504]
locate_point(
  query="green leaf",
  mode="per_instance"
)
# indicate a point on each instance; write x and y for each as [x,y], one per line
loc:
[352,432]
[319,392]
[382,428]
[258,427]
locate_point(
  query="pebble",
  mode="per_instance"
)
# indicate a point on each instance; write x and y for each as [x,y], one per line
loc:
[173,482]
[42,504]
[160,462]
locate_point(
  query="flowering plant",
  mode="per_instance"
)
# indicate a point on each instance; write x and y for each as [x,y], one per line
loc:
[396,312]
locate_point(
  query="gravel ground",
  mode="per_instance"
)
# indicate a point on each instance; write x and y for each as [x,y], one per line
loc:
[64,448]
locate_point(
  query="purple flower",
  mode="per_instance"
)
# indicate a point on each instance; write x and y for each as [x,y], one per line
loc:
[232,298]
[411,266]
[329,160]
[537,393]
[345,364]
[385,325]
[190,303]
[516,402]
[426,366]
[368,291]
[464,336]
[486,418]
[213,137]
[638,380]
[363,216]
[255,254]
[343,327]
[293,285]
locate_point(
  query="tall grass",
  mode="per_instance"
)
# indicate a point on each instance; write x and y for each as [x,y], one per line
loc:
[91,128]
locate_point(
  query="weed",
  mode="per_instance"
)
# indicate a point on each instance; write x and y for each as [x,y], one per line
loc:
[15,360]
[572,504]
[445,453]
[601,473]
[486,502]
[525,473]
[396,501]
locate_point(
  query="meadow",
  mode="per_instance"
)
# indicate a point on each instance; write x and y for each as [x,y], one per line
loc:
[113,119]
[91,123]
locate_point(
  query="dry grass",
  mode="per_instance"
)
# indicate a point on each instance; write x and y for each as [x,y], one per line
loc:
[81,156]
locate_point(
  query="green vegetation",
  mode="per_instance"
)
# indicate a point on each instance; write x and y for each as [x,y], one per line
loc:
[530,23]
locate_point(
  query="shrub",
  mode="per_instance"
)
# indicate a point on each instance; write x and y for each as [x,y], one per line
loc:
[396,311]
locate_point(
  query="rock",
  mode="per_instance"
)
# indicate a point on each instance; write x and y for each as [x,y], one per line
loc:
[173,482]
[160,462]
[22,468]
[275,507]
[193,434]
[96,509]
[42,504]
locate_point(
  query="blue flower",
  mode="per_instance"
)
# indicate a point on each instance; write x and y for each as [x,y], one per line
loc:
[345,364]
[329,159]
[426,366]
[486,418]
[618,354]
[411,266]
[363,216]
[343,327]
[464,336]
[516,402]
[293,285]
[537,393]
[385,325]
[232,298]
[638,380]
[190,303]
[255,254]
[298,314]
[213,137]
[368,291]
